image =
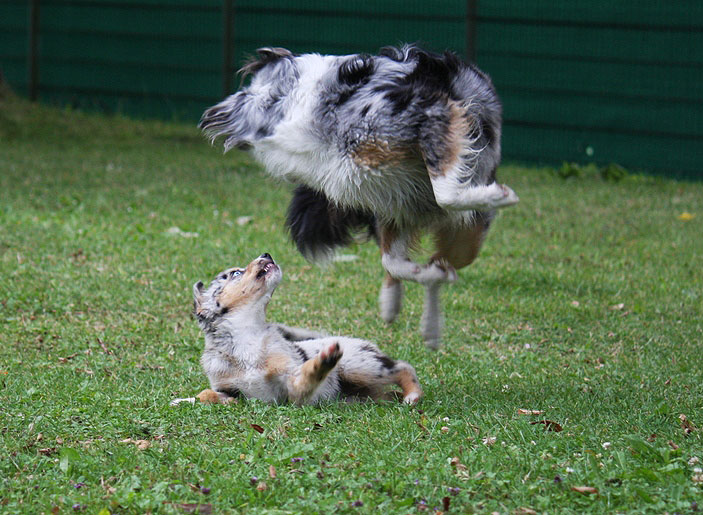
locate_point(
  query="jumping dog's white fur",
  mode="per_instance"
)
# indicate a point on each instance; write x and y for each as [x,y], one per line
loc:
[406,141]
[244,355]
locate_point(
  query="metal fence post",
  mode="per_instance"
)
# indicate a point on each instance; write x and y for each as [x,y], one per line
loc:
[471,14]
[227,50]
[33,51]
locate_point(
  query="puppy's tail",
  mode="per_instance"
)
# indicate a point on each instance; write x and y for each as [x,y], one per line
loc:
[318,226]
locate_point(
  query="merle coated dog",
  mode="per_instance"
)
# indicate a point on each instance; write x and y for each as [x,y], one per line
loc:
[249,357]
[401,143]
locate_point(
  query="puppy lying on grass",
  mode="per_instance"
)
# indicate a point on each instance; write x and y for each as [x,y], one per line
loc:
[246,356]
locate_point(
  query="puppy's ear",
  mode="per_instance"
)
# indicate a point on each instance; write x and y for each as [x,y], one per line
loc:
[198,297]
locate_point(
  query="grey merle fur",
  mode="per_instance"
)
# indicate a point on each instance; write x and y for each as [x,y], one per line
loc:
[396,144]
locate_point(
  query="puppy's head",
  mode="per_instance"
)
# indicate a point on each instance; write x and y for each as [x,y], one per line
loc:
[236,291]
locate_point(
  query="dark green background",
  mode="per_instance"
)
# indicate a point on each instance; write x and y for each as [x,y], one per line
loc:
[582,81]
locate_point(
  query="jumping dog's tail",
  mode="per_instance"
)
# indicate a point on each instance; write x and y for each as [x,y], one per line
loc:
[318,226]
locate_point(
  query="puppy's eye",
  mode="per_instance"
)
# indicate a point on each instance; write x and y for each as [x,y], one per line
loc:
[236,273]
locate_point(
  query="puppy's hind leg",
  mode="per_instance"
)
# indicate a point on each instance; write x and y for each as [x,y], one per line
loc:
[303,383]
[370,371]
[403,374]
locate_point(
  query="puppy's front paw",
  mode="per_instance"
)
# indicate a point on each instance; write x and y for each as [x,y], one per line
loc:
[330,356]
[208,396]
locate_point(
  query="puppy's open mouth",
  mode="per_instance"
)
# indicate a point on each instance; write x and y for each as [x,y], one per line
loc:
[268,267]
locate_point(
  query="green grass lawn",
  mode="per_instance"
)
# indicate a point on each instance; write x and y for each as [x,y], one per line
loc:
[585,303]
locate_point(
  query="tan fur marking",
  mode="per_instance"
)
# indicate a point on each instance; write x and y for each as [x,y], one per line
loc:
[312,370]
[387,237]
[235,295]
[375,153]
[208,396]
[389,280]
[407,382]
[455,138]
[306,381]
[276,365]
[459,245]
[239,292]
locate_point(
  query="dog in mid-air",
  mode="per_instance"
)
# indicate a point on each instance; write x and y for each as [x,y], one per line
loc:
[400,143]
[246,356]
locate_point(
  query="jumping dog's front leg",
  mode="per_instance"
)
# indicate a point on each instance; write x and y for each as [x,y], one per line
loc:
[452,195]
[398,266]
[396,261]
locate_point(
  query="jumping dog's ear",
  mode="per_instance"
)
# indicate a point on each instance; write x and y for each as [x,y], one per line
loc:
[269,54]
[266,55]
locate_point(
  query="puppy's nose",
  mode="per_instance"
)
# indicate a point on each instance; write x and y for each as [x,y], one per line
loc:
[265,255]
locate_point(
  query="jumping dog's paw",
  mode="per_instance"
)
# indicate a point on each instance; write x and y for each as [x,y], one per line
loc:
[501,196]
[448,271]
[436,271]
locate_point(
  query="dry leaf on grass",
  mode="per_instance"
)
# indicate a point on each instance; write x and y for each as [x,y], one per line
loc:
[530,411]
[67,358]
[257,428]
[457,464]
[109,489]
[525,511]
[140,444]
[203,509]
[489,440]
[549,425]
[686,425]
[585,490]
[104,347]
[272,472]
